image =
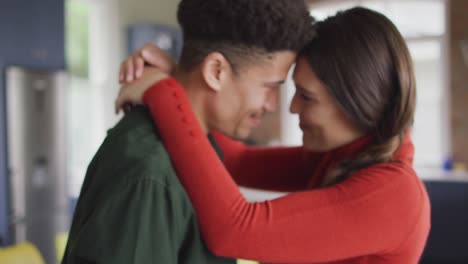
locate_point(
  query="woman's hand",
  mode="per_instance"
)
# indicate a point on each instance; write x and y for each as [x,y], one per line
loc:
[132,68]
[132,92]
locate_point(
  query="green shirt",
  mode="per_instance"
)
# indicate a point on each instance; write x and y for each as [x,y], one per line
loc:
[132,207]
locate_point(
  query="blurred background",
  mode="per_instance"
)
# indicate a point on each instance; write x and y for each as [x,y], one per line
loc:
[59,61]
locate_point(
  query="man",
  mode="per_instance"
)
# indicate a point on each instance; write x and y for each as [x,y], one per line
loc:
[132,208]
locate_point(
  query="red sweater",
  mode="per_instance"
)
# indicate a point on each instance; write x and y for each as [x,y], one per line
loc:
[381,214]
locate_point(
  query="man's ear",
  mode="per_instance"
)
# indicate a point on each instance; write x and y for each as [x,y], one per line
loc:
[216,70]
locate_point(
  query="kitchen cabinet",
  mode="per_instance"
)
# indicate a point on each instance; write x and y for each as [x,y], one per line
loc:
[32,33]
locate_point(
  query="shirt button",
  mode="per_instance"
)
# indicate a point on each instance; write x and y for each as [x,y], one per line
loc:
[194,133]
[183,107]
[186,120]
[178,94]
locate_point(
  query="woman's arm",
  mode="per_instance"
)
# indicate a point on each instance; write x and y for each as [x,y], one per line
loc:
[278,169]
[372,212]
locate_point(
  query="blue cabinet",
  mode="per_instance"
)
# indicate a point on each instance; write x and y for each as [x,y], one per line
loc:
[32,33]
[166,37]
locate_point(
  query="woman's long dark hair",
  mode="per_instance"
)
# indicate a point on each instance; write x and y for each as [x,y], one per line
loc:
[365,64]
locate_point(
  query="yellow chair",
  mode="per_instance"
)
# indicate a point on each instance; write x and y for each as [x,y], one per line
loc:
[60,245]
[25,253]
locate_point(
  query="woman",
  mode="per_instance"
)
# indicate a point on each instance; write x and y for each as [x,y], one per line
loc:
[361,201]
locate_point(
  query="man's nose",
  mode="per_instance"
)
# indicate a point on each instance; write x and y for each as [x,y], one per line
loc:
[271,105]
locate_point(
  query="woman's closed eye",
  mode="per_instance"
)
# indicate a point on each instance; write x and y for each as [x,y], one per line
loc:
[305,97]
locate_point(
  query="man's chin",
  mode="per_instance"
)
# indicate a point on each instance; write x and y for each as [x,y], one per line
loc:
[241,134]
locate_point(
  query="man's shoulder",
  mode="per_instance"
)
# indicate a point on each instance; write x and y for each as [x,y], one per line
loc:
[135,136]
[136,125]
[133,147]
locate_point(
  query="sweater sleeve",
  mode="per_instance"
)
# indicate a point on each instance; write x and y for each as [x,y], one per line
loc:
[372,212]
[277,169]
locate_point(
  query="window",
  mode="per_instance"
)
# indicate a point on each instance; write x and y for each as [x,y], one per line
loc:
[93,55]
[77,57]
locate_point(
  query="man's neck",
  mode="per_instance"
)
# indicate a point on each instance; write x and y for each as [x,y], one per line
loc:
[194,95]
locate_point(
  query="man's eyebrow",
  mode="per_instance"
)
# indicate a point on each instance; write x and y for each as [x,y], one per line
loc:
[277,83]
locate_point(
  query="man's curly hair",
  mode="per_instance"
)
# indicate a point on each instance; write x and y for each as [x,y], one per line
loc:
[242,30]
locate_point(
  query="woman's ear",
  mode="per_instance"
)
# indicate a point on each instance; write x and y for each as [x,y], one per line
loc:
[216,70]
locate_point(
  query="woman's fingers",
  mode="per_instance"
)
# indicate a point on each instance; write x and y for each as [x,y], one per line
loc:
[139,65]
[122,72]
[124,101]
[132,91]
[150,55]
[156,57]
[129,70]
[117,103]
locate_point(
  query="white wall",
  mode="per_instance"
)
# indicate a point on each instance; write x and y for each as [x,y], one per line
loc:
[142,11]
[110,20]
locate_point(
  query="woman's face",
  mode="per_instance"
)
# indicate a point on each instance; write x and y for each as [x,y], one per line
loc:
[324,124]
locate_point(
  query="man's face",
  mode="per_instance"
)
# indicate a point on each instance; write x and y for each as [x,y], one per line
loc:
[249,93]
